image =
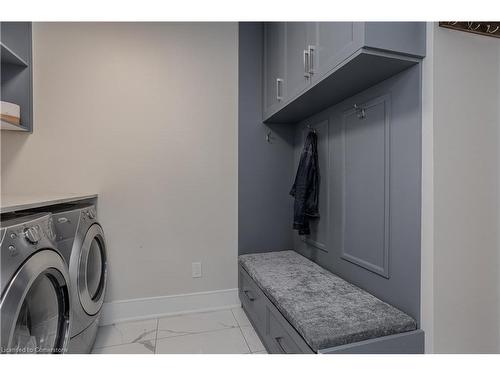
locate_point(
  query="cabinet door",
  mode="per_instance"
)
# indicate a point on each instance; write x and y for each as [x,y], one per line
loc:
[299,36]
[274,66]
[335,42]
[362,183]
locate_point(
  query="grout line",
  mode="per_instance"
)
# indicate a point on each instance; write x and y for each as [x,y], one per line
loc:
[156,336]
[234,317]
[200,332]
[241,331]
[112,346]
[197,333]
[249,325]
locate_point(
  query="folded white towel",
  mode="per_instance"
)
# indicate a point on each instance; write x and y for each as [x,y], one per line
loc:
[10,112]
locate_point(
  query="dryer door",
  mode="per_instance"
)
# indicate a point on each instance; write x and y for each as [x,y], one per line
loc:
[35,307]
[92,270]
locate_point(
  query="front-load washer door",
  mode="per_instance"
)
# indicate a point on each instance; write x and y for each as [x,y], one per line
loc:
[35,307]
[92,270]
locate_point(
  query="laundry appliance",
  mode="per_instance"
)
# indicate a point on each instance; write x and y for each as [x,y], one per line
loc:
[35,305]
[80,239]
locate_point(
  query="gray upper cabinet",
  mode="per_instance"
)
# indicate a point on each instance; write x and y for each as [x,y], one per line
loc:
[309,66]
[335,42]
[406,38]
[300,39]
[274,62]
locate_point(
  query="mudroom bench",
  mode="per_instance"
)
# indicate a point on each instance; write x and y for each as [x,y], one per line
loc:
[296,306]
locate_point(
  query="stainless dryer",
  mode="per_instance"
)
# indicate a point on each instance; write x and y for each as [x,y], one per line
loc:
[80,239]
[35,302]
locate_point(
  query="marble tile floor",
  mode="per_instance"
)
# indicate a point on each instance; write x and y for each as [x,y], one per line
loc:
[215,332]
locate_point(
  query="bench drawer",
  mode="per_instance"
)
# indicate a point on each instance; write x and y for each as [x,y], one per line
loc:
[277,335]
[280,339]
[252,298]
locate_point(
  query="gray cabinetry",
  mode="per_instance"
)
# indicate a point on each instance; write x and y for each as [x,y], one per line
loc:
[280,337]
[273,329]
[300,39]
[406,38]
[16,72]
[274,61]
[369,227]
[335,42]
[365,167]
[327,62]
[17,36]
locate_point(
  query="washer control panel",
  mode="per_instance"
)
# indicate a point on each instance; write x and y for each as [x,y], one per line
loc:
[33,234]
[27,238]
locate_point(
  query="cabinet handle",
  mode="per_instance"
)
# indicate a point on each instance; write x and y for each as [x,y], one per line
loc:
[249,295]
[279,89]
[306,63]
[278,341]
[311,59]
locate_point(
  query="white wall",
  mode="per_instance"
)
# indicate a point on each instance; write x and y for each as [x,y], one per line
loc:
[466,175]
[145,115]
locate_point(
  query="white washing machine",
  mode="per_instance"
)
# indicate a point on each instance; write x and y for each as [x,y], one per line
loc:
[35,301]
[81,241]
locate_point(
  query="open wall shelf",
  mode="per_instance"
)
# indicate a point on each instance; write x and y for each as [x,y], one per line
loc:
[16,72]
[5,125]
[8,56]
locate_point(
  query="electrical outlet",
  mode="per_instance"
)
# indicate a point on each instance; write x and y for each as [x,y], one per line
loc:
[196,269]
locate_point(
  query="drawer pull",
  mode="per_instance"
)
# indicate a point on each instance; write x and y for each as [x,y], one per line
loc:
[306,64]
[279,89]
[310,64]
[249,295]
[278,341]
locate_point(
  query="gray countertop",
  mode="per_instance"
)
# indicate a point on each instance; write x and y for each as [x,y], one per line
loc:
[10,203]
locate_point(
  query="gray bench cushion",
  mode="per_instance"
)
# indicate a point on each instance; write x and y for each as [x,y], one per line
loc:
[326,310]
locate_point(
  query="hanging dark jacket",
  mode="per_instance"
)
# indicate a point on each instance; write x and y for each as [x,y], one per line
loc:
[305,189]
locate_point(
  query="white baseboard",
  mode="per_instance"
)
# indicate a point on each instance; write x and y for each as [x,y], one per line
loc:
[153,307]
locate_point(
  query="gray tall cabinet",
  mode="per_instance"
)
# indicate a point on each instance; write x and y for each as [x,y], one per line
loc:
[358,85]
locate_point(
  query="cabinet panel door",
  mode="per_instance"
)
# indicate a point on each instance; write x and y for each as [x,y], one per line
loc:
[335,42]
[274,66]
[299,35]
[365,190]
